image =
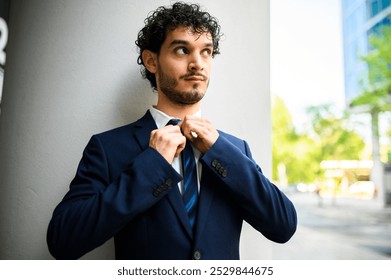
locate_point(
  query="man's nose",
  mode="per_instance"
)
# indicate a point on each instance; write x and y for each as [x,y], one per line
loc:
[196,63]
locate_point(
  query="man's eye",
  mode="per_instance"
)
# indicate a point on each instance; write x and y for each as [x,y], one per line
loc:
[181,51]
[207,52]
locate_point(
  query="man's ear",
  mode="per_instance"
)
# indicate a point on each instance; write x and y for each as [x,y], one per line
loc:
[150,61]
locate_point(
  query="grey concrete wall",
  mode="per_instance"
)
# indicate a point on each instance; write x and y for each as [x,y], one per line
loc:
[71,72]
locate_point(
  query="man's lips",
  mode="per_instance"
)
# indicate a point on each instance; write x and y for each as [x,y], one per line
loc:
[194,77]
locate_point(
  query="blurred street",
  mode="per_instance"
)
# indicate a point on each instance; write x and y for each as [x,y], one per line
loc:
[338,229]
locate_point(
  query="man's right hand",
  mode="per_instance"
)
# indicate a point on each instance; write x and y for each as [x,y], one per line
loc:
[168,141]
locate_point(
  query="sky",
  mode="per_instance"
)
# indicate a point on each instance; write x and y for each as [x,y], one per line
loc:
[306,54]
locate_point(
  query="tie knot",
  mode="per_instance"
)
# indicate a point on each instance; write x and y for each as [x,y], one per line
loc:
[173,121]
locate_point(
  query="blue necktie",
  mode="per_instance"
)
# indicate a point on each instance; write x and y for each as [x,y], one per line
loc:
[190,184]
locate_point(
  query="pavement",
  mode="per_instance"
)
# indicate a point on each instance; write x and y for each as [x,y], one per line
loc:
[338,229]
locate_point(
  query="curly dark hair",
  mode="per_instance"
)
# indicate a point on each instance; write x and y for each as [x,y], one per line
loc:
[164,19]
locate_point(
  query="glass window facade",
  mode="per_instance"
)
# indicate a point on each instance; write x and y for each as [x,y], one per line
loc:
[376,6]
[356,31]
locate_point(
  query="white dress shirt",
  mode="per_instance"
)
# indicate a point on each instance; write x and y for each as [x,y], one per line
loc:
[161,119]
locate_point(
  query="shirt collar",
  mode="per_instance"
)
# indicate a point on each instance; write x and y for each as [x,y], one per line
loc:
[161,118]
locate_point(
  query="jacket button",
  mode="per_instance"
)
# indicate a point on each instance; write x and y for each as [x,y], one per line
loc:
[197,255]
[214,163]
[168,182]
[156,192]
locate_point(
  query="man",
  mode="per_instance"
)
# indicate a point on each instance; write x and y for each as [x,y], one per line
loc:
[131,185]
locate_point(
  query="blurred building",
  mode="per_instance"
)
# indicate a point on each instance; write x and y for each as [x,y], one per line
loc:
[361,18]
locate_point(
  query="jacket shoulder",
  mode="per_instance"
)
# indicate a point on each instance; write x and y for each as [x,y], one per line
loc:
[127,130]
[233,139]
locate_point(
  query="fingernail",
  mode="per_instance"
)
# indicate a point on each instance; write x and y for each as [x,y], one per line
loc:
[194,134]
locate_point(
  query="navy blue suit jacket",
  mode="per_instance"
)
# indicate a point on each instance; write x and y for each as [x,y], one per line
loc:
[127,190]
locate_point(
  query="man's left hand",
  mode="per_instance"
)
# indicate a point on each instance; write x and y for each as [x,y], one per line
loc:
[200,132]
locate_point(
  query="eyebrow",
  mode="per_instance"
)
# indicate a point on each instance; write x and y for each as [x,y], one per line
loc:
[179,42]
[183,42]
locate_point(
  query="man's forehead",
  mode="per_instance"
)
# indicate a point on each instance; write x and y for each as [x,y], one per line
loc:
[188,34]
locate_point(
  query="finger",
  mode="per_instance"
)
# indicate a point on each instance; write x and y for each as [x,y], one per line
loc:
[196,128]
[168,141]
[206,133]
[180,147]
[190,126]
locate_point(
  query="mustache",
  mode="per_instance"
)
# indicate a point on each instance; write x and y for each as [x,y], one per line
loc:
[194,75]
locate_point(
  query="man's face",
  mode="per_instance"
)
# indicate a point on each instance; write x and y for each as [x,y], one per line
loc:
[184,65]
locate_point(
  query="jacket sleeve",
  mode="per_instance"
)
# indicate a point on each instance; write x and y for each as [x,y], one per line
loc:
[264,206]
[95,208]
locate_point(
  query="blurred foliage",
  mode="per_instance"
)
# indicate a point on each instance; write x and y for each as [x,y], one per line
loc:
[296,152]
[330,137]
[375,97]
[335,135]
[376,87]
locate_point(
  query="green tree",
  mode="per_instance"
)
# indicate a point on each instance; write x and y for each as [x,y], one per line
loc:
[301,154]
[377,85]
[335,135]
[376,89]
[375,96]
[295,152]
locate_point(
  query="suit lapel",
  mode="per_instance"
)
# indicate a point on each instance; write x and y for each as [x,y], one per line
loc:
[176,201]
[145,125]
[206,196]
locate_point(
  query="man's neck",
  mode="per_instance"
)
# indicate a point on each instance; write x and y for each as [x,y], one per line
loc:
[178,110]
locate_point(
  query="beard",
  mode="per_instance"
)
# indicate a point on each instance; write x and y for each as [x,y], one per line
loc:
[168,86]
